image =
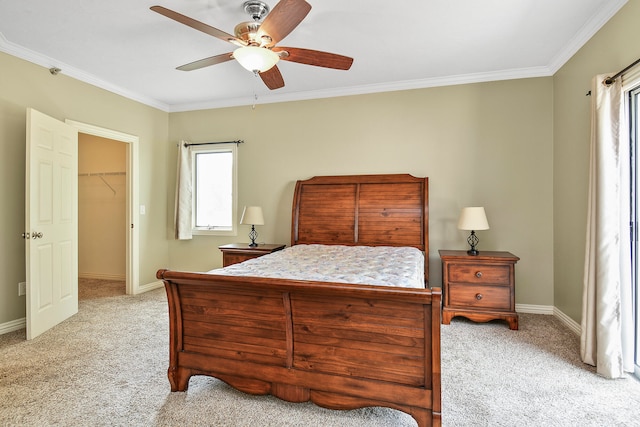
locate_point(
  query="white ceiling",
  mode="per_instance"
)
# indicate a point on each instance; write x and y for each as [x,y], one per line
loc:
[122,46]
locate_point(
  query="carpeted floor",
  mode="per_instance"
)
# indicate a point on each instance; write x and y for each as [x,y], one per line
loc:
[106,366]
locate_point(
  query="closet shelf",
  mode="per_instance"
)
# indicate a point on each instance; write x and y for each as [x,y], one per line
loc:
[102,173]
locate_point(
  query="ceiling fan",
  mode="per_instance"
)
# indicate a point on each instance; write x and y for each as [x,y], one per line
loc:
[256,41]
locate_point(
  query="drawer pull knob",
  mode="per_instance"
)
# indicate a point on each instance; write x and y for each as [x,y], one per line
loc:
[479,274]
[478,297]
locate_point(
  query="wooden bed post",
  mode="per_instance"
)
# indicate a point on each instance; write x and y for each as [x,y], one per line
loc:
[436,384]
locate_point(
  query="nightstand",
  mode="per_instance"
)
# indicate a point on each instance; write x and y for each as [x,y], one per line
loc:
[234,253]
[479,287]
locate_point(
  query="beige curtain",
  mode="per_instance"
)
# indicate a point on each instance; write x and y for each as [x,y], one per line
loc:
[606,302]
[184,193]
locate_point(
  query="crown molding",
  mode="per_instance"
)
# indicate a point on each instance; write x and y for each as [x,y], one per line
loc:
[47,62]
[588,30]
[606,12]
[521,73]
[36,58]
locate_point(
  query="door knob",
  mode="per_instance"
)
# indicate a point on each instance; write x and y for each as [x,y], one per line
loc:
[36,235]
[26,235]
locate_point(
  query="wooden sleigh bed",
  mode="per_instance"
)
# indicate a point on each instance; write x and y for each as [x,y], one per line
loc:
[339,345]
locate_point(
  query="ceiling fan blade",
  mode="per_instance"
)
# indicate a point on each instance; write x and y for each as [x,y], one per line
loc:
[206,62]
[272,78]
[200,26]
[283,18]
[314,57]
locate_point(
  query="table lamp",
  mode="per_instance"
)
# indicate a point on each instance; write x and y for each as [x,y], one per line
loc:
[473,218]
[252,215]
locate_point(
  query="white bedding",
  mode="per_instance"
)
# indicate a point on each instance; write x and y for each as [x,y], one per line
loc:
[366,265]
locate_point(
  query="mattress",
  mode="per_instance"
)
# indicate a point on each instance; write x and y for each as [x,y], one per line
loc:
[365,265]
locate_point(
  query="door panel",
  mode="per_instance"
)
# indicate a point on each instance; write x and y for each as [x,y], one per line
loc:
[67,278]
[51,222]
[42,277]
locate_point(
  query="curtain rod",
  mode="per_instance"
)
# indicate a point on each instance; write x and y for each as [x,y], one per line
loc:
[214,143]
[610,80]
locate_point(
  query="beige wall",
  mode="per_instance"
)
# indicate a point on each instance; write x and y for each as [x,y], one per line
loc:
[517,147]
[484,144]
[610,50]
[102,208]
[23,85]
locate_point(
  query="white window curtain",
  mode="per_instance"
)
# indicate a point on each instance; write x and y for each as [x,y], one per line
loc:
[184,193]
[606,304]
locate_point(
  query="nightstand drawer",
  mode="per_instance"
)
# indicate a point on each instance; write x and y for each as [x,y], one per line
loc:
[481,274]
[235,253]
[479,296]
[230,258]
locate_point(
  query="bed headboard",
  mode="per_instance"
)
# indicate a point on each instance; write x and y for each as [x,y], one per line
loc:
[372,210]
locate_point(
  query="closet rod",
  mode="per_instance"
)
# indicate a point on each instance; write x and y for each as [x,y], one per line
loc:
[186,144]
[610,80]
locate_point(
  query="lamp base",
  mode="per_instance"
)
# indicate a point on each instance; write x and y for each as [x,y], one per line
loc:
[473,240]
[252,235]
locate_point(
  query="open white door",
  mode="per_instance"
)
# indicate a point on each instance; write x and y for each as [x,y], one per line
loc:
[51,213]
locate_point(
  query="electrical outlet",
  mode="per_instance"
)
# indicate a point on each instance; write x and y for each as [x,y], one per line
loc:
[22,288]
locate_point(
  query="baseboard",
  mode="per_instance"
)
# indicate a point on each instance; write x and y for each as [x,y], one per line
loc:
[551,310]
[535,309]
[13,325]
[150,286]
[568,321]
[102,276]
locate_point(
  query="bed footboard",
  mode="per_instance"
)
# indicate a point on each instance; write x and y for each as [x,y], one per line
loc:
[340,346]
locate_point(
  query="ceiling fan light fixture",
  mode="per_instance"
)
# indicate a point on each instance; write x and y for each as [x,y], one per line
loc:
[255,58]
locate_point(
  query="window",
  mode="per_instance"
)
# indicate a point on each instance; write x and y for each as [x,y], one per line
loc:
[214,190]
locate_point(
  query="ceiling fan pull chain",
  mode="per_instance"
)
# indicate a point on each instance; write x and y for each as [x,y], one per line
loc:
[255,92]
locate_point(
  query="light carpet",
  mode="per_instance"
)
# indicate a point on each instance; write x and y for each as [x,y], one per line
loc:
[106,366]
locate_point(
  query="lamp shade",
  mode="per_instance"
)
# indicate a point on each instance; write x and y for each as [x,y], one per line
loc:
[473,218]
[255,58]
[252,215]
